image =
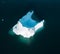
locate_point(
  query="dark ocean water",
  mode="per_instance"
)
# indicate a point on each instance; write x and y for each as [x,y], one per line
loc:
[46,42]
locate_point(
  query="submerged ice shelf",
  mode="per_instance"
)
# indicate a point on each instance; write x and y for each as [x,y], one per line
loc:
[26,26]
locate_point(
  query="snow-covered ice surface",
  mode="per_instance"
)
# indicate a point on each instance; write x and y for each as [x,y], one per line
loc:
[26,26]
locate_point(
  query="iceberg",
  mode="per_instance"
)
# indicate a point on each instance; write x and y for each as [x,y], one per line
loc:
[26,26]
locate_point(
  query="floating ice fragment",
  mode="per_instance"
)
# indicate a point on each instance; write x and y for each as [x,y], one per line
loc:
[26,26]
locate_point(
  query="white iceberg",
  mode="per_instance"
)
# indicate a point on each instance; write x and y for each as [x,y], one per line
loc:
[26,26]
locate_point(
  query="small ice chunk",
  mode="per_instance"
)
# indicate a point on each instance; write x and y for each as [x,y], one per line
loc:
[26,26]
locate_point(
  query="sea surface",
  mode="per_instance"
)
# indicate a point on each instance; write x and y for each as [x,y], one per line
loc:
[46,41]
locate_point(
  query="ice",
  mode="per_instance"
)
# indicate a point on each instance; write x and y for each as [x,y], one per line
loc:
[26,26]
